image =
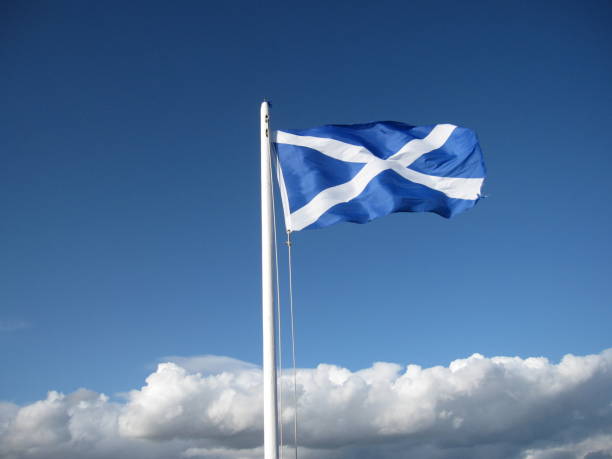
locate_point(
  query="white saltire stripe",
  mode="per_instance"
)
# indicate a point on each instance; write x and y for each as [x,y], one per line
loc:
[283,193]
[453,187]
[333,148]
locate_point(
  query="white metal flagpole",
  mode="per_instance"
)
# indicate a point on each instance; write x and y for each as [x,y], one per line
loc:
[267,290]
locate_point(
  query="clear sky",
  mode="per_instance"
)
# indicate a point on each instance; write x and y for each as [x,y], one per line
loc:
[129,183]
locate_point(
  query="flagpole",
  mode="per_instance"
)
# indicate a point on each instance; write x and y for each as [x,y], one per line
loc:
[267,290]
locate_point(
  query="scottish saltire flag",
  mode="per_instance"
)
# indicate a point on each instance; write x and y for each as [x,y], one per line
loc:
[360,172]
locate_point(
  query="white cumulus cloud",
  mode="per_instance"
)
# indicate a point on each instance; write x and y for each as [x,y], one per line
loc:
[210,407]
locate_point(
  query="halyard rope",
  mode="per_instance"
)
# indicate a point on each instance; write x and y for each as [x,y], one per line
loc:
[279,363]
[295,402]
[279,324]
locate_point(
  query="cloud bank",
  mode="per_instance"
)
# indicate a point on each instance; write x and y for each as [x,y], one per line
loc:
[210,407]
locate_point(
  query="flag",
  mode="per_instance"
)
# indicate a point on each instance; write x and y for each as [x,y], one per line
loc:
[360,172]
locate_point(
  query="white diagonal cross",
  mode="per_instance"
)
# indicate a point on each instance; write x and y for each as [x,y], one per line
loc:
[453,187]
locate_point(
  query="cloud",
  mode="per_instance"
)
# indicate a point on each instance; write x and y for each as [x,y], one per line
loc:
[210,407]
[224,407]
[595,447]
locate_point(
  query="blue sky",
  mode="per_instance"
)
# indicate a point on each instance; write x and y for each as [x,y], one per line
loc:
[129,183]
